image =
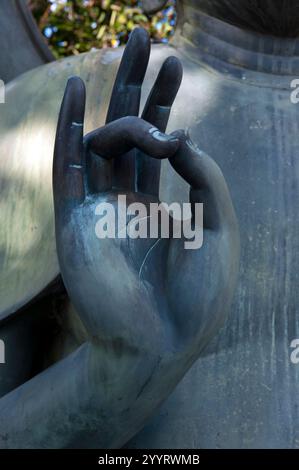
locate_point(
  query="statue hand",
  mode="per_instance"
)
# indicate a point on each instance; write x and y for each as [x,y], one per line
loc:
[148,305]
[104,277]
[151,299]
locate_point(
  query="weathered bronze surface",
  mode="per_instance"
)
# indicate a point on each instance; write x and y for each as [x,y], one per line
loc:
[129,294]
[235,100]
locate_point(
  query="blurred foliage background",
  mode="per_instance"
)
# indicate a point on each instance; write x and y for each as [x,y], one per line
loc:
[71,27]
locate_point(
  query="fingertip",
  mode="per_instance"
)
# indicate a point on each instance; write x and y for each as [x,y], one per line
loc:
[187,147]
[138,48]
[139,36]
[174,69]
[75,84]
[74,99]
[74,79]
[180,135]
[161,136]
[167,84]
[165,145]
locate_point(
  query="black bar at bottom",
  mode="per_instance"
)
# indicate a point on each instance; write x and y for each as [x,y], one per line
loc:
[135,458]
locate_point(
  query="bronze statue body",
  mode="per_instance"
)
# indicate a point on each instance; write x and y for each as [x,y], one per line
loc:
[235,99]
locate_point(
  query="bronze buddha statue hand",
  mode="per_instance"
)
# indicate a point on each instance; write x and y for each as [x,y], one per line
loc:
[148,306]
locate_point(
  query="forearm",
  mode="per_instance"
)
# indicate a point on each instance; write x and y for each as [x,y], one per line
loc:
[92,398]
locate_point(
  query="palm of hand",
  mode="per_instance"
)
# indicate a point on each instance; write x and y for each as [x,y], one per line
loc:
[151,294]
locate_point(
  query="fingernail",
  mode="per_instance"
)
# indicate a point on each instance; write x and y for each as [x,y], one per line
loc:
[161,137]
